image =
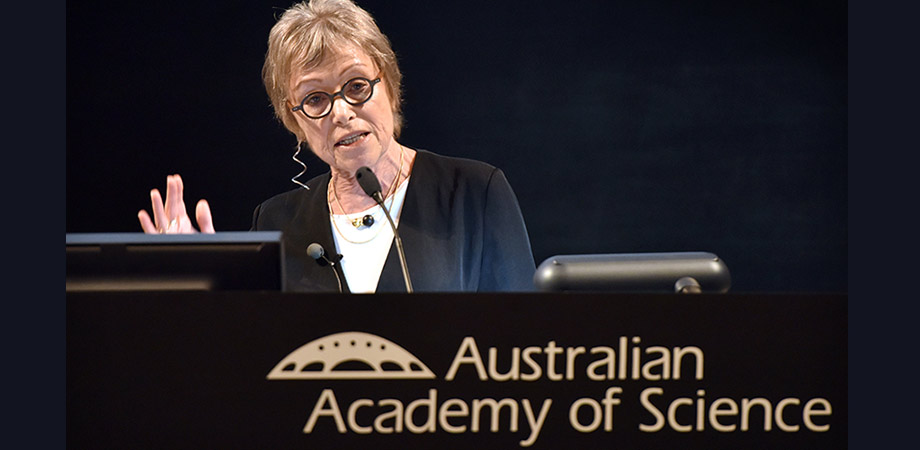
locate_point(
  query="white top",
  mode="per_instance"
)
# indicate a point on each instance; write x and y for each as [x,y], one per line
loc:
[364,249]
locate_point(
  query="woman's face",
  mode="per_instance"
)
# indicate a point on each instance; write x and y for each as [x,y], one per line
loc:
[349,136]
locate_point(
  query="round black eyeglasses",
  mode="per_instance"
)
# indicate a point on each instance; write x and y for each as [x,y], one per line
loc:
[318,104]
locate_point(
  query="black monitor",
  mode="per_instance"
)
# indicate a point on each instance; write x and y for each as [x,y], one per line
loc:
[223,261]
[675,272]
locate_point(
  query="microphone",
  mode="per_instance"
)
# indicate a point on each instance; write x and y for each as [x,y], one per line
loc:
[316,252]
[371,186]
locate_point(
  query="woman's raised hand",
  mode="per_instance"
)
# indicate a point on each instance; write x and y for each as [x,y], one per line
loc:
[170,217]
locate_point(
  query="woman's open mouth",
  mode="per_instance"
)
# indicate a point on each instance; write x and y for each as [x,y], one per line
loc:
[351,139]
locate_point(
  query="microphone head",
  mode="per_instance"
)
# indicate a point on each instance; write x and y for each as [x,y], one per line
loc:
[369,183]
[315,251]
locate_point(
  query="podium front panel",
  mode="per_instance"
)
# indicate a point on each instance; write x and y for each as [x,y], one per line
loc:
[257,370]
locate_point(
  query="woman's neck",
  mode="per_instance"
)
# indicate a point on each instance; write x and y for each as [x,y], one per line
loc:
[345,195]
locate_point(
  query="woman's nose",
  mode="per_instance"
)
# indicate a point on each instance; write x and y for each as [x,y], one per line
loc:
[342,112]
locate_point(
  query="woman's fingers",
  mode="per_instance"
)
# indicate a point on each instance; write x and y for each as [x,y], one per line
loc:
[159,211]
[146,223]
[203,216]
[175,205]
[170,216]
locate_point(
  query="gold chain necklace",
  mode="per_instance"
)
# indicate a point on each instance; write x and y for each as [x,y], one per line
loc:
[358,222]
[342,235]
[368,218]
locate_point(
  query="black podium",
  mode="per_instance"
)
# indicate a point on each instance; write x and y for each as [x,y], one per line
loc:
[257,370]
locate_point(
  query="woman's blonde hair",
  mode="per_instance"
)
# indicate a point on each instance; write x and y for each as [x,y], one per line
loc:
[307,33]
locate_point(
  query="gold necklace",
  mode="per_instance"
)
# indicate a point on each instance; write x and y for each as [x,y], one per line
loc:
[342,235]
[358,222]
[368,219]
[380,228]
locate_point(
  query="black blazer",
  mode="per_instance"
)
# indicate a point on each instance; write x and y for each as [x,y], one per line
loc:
[461,229]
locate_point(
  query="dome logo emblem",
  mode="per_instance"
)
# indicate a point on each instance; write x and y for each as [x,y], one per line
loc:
[351,355]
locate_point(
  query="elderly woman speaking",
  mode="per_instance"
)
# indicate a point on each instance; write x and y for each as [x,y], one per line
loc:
[334,83]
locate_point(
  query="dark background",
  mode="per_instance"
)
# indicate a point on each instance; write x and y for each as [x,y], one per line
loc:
[639,126]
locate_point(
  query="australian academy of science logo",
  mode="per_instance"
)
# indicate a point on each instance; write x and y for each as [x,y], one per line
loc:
[356,355]
[350,356]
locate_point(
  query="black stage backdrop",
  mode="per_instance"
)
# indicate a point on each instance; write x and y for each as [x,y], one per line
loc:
[641,126]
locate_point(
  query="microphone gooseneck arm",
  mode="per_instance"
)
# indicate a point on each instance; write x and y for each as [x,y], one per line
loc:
[371,187]
[399,249]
